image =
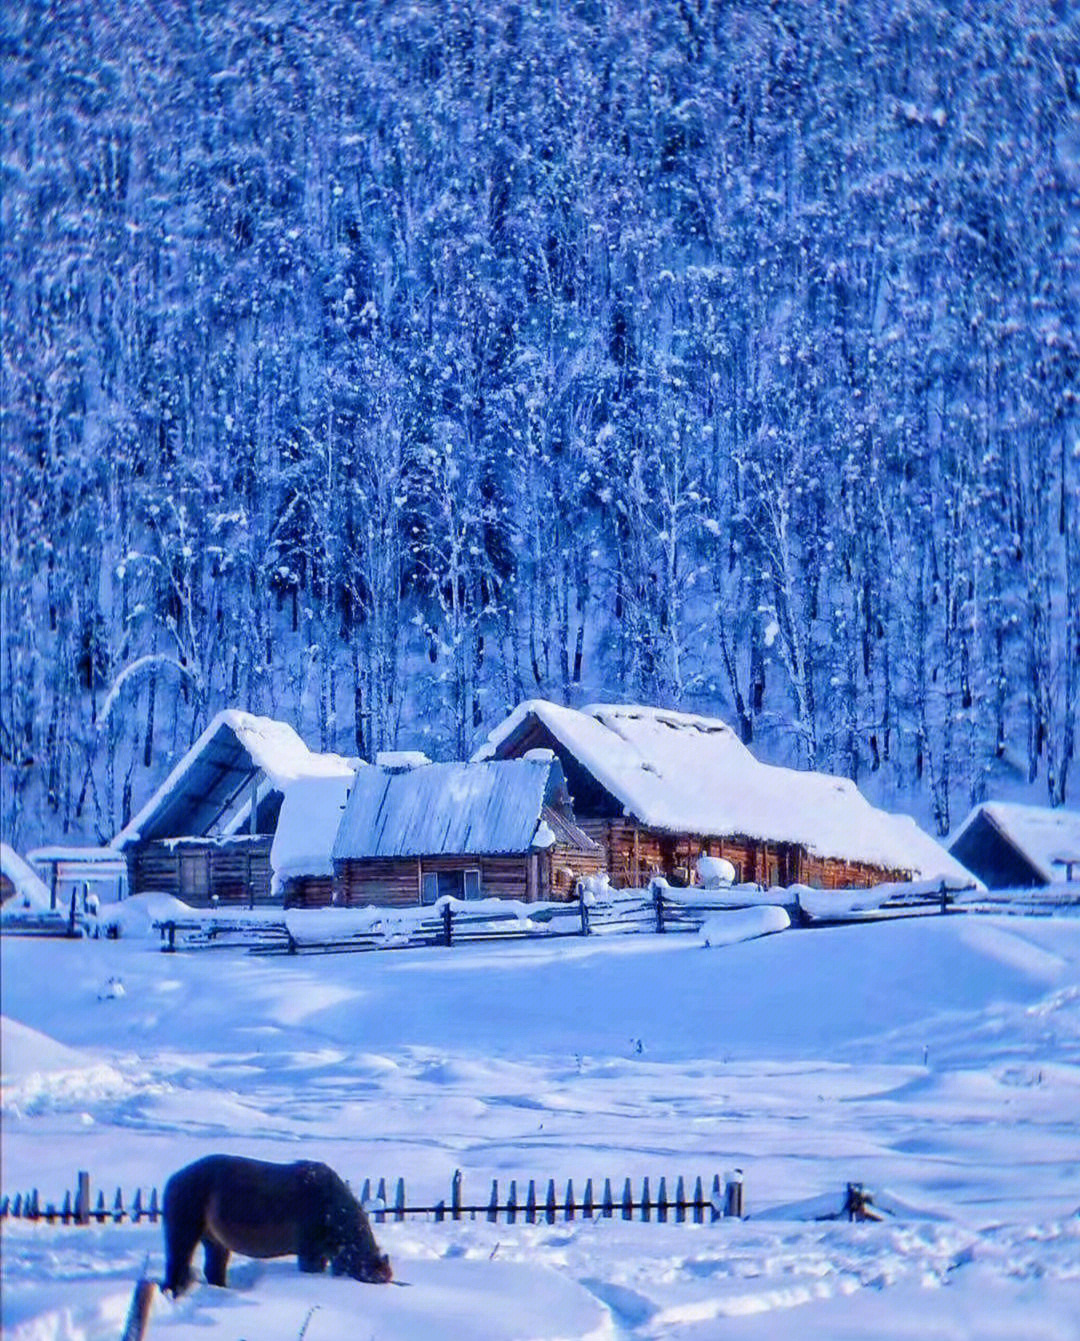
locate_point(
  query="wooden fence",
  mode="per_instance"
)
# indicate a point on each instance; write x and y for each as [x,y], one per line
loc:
[658,909]
[532,1206]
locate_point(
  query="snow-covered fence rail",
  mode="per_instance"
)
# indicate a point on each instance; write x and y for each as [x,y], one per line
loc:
[678,1202]
[599,910]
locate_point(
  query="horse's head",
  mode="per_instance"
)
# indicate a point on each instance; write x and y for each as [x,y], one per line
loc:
[359,1262]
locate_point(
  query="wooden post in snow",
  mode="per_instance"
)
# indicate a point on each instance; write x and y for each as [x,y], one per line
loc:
[82,1199]
[138,1316]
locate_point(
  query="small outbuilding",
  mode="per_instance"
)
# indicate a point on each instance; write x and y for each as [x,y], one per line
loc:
[657,789]
[82,872]
[414,833]
[206,833]
[1012,846]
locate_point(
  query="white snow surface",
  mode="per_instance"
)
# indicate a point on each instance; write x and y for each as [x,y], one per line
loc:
[937,1061]
[30,890]
[682,773]
[1048,838]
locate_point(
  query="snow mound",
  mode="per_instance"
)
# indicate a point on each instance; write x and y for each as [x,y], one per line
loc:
[743,924]
[40,1074]
[137,916]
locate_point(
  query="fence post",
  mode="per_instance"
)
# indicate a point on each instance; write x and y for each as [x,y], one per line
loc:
[139,1312]
[380,1197]
[658,901]
[646,1204]
[699,1202]
[447,918]
[584,907]
[399,1200]
[733,1194]
[662,1202]
[944,900]
[455,1190]
[82,1199]
[570,1209]
[680,1201]
[716,1203]
[627,1201]
[549,1209]
[493,1204]
[511,1203]
[530,1204]
[587,1207]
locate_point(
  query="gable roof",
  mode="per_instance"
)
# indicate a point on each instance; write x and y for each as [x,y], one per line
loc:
[30,890]
[458,809]
[683,773]
[1046,838]
[234,749]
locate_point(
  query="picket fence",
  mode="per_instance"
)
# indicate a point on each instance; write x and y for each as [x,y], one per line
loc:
[533,1207]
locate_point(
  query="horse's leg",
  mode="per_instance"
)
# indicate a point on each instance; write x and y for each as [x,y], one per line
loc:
[215,1261]
[180,1241]
[311,1261]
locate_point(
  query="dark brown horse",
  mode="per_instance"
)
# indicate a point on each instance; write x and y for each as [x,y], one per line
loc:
[232,1204]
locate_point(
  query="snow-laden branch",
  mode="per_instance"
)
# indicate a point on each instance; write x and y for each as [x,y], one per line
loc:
[136,668]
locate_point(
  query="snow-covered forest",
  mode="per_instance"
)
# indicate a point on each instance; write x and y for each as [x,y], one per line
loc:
[377,365]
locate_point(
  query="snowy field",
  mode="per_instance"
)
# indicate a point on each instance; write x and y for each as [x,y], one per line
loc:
[936,1060]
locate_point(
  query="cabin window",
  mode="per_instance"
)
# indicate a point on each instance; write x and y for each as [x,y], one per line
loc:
[194,875]
[451,884]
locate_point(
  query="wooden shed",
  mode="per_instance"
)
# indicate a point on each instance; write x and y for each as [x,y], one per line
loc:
[1011,846]
[206,833]
[412,835]
[657,789]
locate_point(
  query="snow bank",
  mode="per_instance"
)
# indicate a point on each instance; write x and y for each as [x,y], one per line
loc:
[39,1074]
[136,916]
[743,924]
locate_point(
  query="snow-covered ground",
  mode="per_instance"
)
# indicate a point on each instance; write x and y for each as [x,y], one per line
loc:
[937,1060]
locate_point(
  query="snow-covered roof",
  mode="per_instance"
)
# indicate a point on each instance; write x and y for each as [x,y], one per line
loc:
[477,809]
[311,811]
[1049,839]
[683,773]
[81,856]
[235,748]
[30,890]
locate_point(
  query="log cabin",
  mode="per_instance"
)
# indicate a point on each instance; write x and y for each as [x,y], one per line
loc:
[657,789]
[1012,846]
[414,834]
[205,835]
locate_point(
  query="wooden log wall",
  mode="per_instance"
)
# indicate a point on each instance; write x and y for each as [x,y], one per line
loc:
[237,871]
[309,891]
[635,853]
[397,882]
[565,866]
